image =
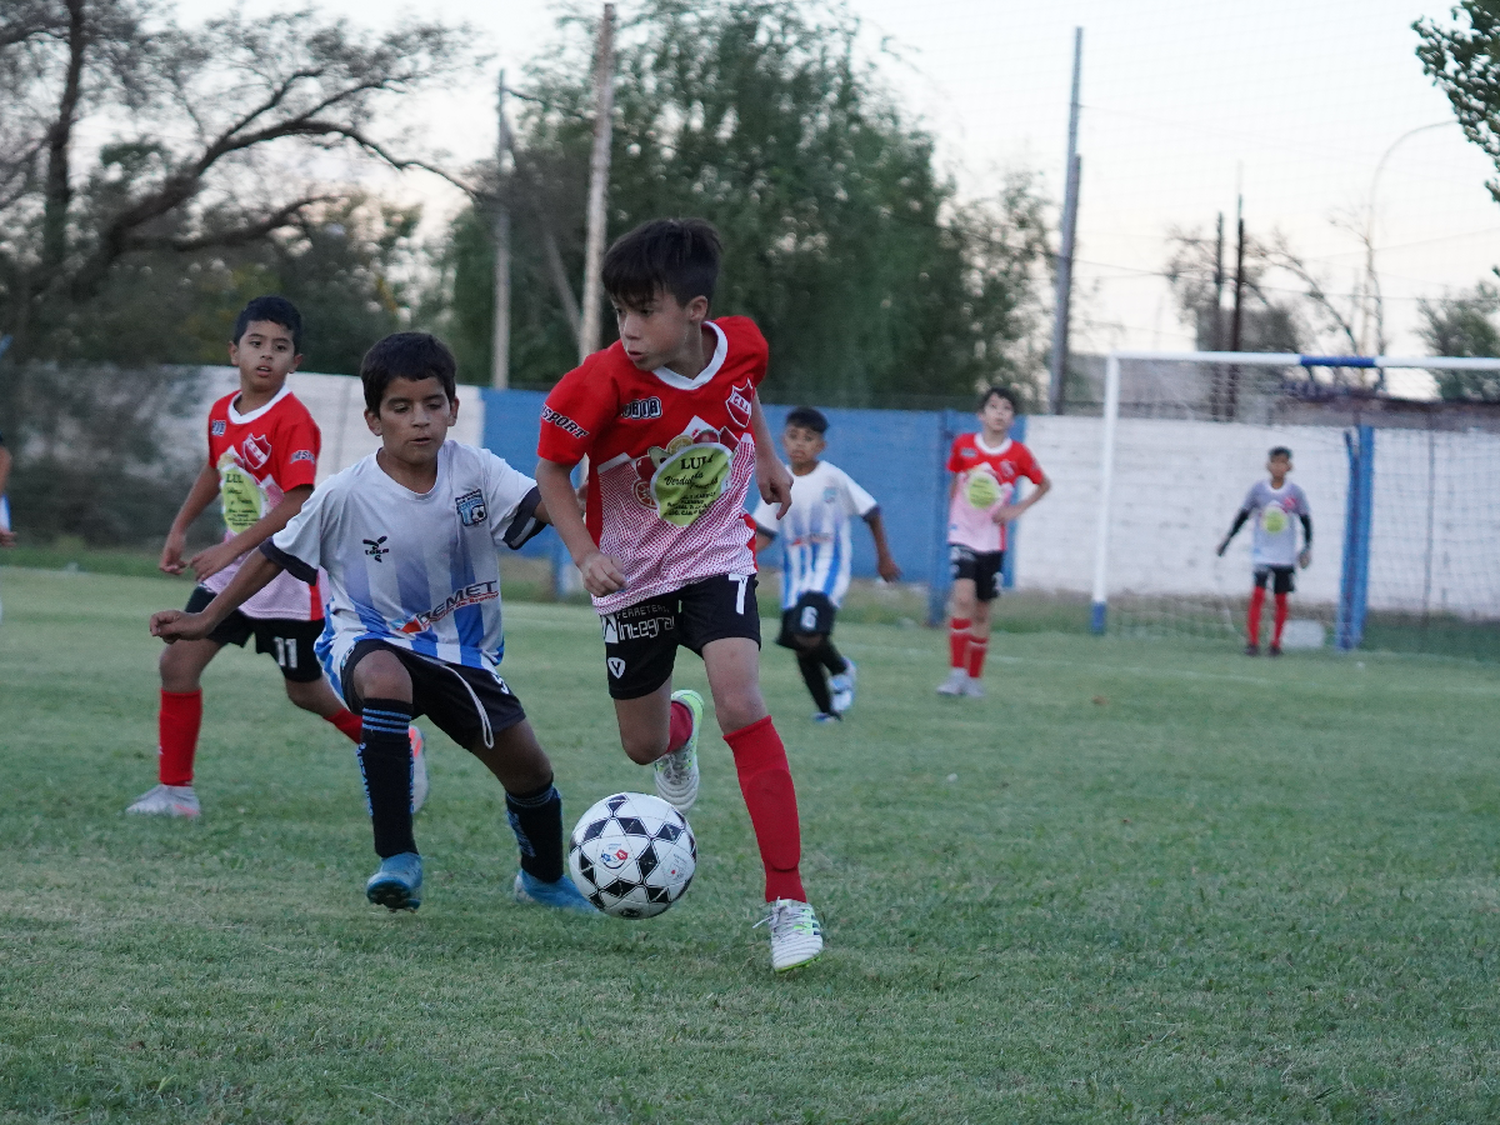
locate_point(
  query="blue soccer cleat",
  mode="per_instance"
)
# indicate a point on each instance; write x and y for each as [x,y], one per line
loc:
[398,883]
[561,895]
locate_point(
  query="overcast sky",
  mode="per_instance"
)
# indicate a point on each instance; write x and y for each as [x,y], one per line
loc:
[1295,101]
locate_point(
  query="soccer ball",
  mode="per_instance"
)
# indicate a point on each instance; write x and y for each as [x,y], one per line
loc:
[632,855]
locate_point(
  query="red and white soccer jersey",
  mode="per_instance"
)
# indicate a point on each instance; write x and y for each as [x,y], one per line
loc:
[987,479]
[671,460]
[260,457]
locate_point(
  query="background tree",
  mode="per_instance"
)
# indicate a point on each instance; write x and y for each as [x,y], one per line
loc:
[1463,60]
[870,279]
[1463,324]
[206,124]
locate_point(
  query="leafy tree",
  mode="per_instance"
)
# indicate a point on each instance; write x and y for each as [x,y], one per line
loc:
[869,278]
[1463,324]
[1463,61]
[205,123]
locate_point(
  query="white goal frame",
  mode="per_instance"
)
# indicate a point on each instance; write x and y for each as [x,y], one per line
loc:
[1098,621]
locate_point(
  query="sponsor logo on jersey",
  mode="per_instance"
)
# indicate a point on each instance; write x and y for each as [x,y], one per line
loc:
[217,427]
[255,450]
[304,455]
[469,595]
[471,509]
[375,549]
[641,409]
[968,452]
[738,403]
[563,422]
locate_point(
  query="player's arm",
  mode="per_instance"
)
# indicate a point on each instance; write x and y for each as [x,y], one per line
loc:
[600,574]
[1239,522]
[771,475]
[199,497]
[254,575]
[763,539]
[220,555]
[7,537]
[885,565]
[1304,558]
[1007,512]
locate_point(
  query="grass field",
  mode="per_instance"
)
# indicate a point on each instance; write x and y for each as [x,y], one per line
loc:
[1143,881]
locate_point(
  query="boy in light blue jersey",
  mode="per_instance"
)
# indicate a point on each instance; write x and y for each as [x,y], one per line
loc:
[1273,547]
[408,537]
[816,549]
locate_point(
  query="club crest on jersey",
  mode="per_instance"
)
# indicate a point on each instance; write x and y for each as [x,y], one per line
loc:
[255,450]
[375,548]
[738,403]
[830,494]
[217,428]
[471,510]
[641,409]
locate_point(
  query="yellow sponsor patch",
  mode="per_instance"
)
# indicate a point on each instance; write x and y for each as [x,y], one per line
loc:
[689,479]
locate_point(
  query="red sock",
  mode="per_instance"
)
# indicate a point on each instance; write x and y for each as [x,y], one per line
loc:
[348,723]
[977,650]
[958,640]
[177,725]
[1257,603]
[1280,619]
[766,782]
[681,728]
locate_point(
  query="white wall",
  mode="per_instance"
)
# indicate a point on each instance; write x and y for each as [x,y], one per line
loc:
[1178,485]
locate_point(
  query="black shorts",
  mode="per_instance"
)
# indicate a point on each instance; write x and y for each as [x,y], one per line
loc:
[980,567]
[1281,578]
[467,704]
[811,616]
[289,643]
[641,640]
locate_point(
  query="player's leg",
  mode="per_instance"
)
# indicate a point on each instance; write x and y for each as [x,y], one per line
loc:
[962,603]
[178,722]
[378,683]
[1257,604]
[986,590]
[799,632]
[1282,587]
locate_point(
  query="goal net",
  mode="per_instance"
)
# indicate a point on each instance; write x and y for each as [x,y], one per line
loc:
[1405,500]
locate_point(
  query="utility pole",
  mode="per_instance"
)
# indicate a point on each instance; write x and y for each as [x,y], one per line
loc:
[1236,322]
[1216,339]
[593,257]
[500,351]
[1055,389]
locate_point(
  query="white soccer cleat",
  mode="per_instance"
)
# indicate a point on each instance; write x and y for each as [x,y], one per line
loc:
[955,684]
[973,688]
[677,773]
[167,800]
[842,687]
[419,784]
[796,936]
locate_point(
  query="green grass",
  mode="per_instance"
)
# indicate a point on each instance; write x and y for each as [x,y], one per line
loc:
[1143,881]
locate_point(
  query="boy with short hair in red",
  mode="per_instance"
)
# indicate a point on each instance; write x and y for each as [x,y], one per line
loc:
[262,462]
[670,420]
[985,468]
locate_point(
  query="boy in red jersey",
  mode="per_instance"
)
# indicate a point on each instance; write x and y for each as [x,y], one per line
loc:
[670,419]
[985,467]
[263,450]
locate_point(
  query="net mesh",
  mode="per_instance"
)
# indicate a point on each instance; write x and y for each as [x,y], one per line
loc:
[1193,437]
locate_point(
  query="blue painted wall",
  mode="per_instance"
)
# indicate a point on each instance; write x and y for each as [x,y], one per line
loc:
[896,455]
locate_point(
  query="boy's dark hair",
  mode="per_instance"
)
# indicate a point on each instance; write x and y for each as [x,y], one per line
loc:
[278,310]
[406,355]
[999,392]
[808,419]
[678,255]
[1279,451]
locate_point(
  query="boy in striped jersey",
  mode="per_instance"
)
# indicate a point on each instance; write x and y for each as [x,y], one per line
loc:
[815,556]
[408,538]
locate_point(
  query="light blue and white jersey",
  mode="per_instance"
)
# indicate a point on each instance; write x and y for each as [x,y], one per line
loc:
[418,571]
[1275,513]
[816,544]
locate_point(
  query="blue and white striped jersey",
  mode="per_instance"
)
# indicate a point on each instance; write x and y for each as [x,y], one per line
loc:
[816,544]
[417,571]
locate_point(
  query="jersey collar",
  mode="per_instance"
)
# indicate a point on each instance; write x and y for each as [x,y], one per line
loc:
[682,383]
[996,451]
[238,419]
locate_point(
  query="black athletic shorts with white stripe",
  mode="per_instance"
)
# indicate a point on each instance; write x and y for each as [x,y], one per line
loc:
[641,640]
[469,705]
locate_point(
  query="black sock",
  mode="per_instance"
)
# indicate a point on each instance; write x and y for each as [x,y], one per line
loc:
[536,819]
[811,668]
[830,657]
[385,761]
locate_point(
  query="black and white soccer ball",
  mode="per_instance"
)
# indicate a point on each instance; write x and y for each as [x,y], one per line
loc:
[632,855]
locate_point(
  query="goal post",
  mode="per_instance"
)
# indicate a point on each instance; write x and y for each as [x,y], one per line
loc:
[1244,387]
